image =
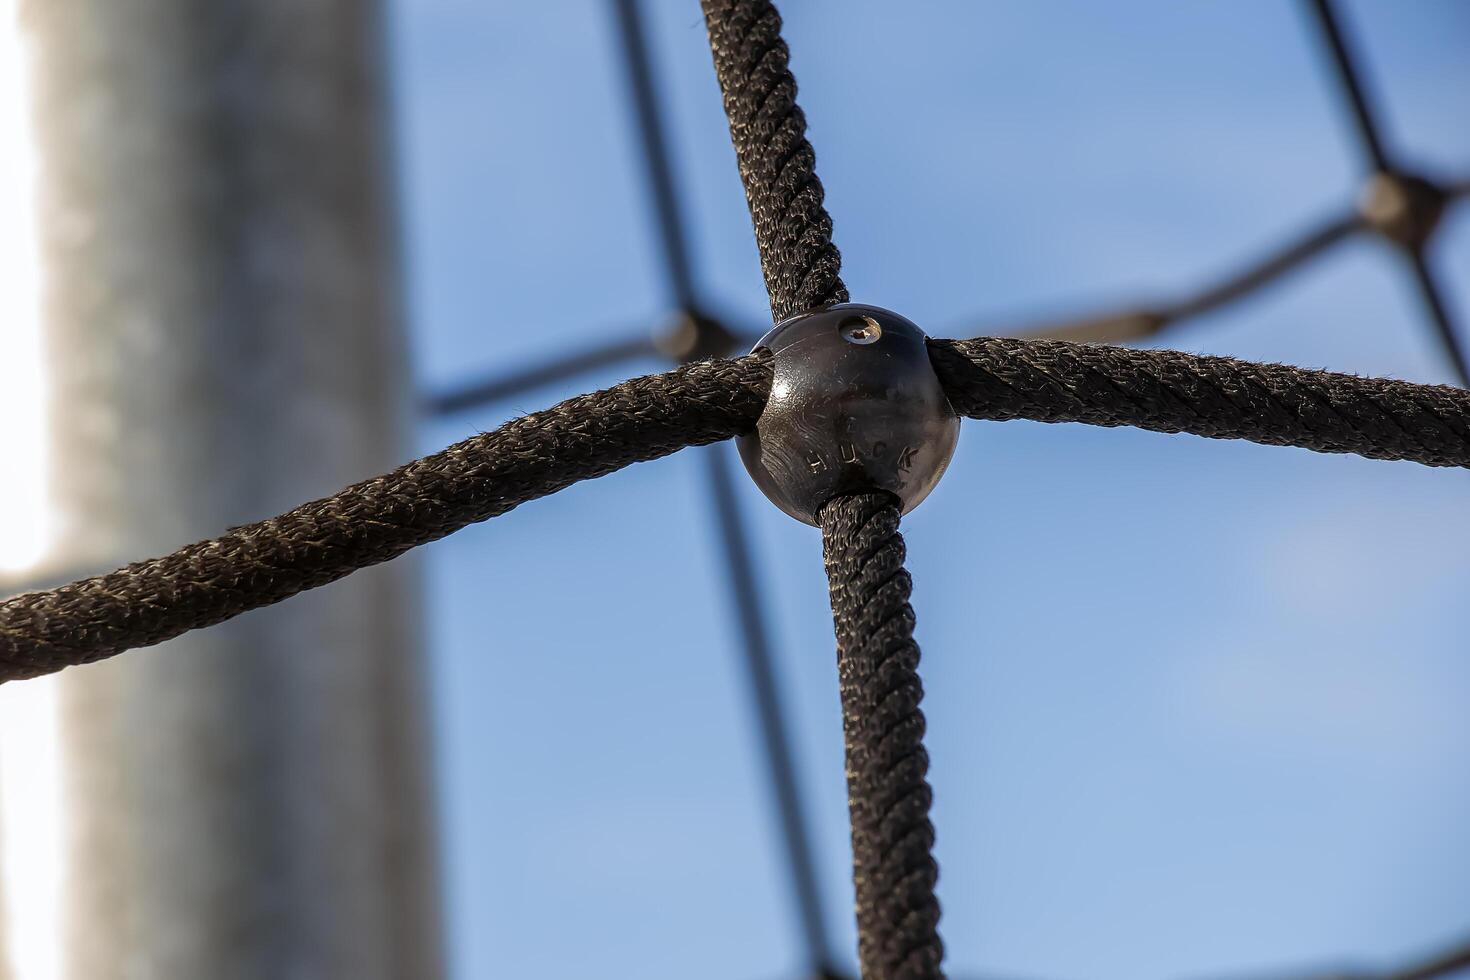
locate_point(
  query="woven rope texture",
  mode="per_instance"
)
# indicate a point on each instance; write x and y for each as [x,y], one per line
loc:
[1215,397]
[379,519]
[888,795]
[777,163]
[643,419]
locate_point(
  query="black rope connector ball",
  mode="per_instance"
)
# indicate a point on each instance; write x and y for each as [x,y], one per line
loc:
[855,406]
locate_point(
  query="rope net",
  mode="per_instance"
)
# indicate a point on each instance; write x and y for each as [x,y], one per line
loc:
[588,436]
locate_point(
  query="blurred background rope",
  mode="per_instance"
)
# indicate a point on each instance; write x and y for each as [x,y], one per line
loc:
[888,795]
[777,162]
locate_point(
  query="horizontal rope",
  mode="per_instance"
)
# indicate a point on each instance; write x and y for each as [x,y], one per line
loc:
[1214,397]
[379,519]
[643,419]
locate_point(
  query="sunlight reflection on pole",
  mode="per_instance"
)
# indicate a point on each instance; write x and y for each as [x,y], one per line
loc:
[30,785]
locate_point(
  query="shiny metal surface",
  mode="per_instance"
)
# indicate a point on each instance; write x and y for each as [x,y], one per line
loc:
[224,340]
[854,405]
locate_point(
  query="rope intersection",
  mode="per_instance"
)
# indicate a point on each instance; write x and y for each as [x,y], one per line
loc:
[643,419]
[588,436]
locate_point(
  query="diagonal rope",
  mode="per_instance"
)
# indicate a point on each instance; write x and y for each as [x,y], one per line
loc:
[1367,124]
[709,337]
[888,795]
[1365,120]
[379,519]
[1141,322]
[777,164]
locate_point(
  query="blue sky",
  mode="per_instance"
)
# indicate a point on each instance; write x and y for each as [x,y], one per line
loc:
[1196,708]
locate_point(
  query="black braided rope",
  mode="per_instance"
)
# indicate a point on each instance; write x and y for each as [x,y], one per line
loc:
[1215,397]
[643,419]
[888,795]
[379,519]
[777,163]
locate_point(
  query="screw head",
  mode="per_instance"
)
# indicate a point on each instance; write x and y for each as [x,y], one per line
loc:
[855,406]
[861,330]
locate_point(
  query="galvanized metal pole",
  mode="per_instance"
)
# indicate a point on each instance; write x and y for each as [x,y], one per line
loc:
[221,320]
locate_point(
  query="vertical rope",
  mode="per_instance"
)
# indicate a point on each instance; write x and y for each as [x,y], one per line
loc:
[777,164]
[888,795]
